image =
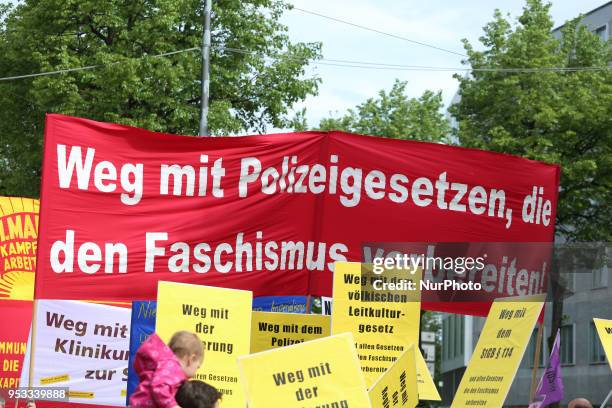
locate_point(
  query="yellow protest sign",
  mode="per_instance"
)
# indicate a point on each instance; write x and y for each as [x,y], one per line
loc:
[384,322]
[604,329]
[221,318]
[425,384]
[498,353]
[272,330]
[317,373]
[398,385]
[18,235]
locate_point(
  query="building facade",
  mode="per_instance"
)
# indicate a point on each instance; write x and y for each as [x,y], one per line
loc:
[585,370]
[598,21]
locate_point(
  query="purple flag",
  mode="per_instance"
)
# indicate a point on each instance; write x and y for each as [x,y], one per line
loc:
[550,387]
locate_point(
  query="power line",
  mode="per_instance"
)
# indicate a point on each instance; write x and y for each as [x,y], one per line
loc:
[378,31]
[463,69]
[329,62]
[62,71]
[403,67]
[343,22]
[59,71]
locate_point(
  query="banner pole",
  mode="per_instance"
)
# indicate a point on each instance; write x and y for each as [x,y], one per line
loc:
[205,83]
[536,361]
[32,344]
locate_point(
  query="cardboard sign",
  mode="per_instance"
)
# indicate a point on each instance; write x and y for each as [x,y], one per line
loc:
[221,318]
[273,330]
[499,351]
[383,329]
[82,346]
[318,373]
[604,329]
[18,247]
[398,385]
[425,384]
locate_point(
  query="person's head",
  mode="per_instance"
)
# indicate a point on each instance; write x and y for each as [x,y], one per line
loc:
[579,403]
[198,394]
[188,349]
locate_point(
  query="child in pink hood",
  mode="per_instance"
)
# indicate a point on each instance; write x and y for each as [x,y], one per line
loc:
[163,369]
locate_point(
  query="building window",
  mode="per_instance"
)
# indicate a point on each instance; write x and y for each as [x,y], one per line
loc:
[451,339]
[567,344]
[602,32]
[597,352]
[531,349]
[453,331]
[462,335]
[445,339]
[458,335]
[569,282]
[600,276]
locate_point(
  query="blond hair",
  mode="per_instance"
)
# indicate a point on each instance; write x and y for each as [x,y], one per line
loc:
[185,344]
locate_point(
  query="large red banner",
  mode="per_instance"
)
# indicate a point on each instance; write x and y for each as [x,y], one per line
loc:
[122,208]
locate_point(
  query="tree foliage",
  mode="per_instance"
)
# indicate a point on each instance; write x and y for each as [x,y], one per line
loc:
[555,117]
[394,115]
[249,89]
[547,115]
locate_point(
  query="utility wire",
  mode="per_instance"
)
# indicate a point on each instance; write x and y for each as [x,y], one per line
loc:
[62,71]
[378,31]
[328,62]
[456,69]
[401,67]
[332,19]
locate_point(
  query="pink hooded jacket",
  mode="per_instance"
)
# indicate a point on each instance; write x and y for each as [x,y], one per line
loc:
[160,375]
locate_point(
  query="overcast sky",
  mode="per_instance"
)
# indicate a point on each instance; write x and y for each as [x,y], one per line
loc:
[439,22]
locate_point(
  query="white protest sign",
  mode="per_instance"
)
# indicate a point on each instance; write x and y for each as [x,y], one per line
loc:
[84,347]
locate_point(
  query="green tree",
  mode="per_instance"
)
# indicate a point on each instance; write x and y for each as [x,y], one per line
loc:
[249,89]
[394,115]
[552,116]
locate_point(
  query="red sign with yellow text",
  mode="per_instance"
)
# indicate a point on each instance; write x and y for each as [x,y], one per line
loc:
[14,330]
[18,235]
